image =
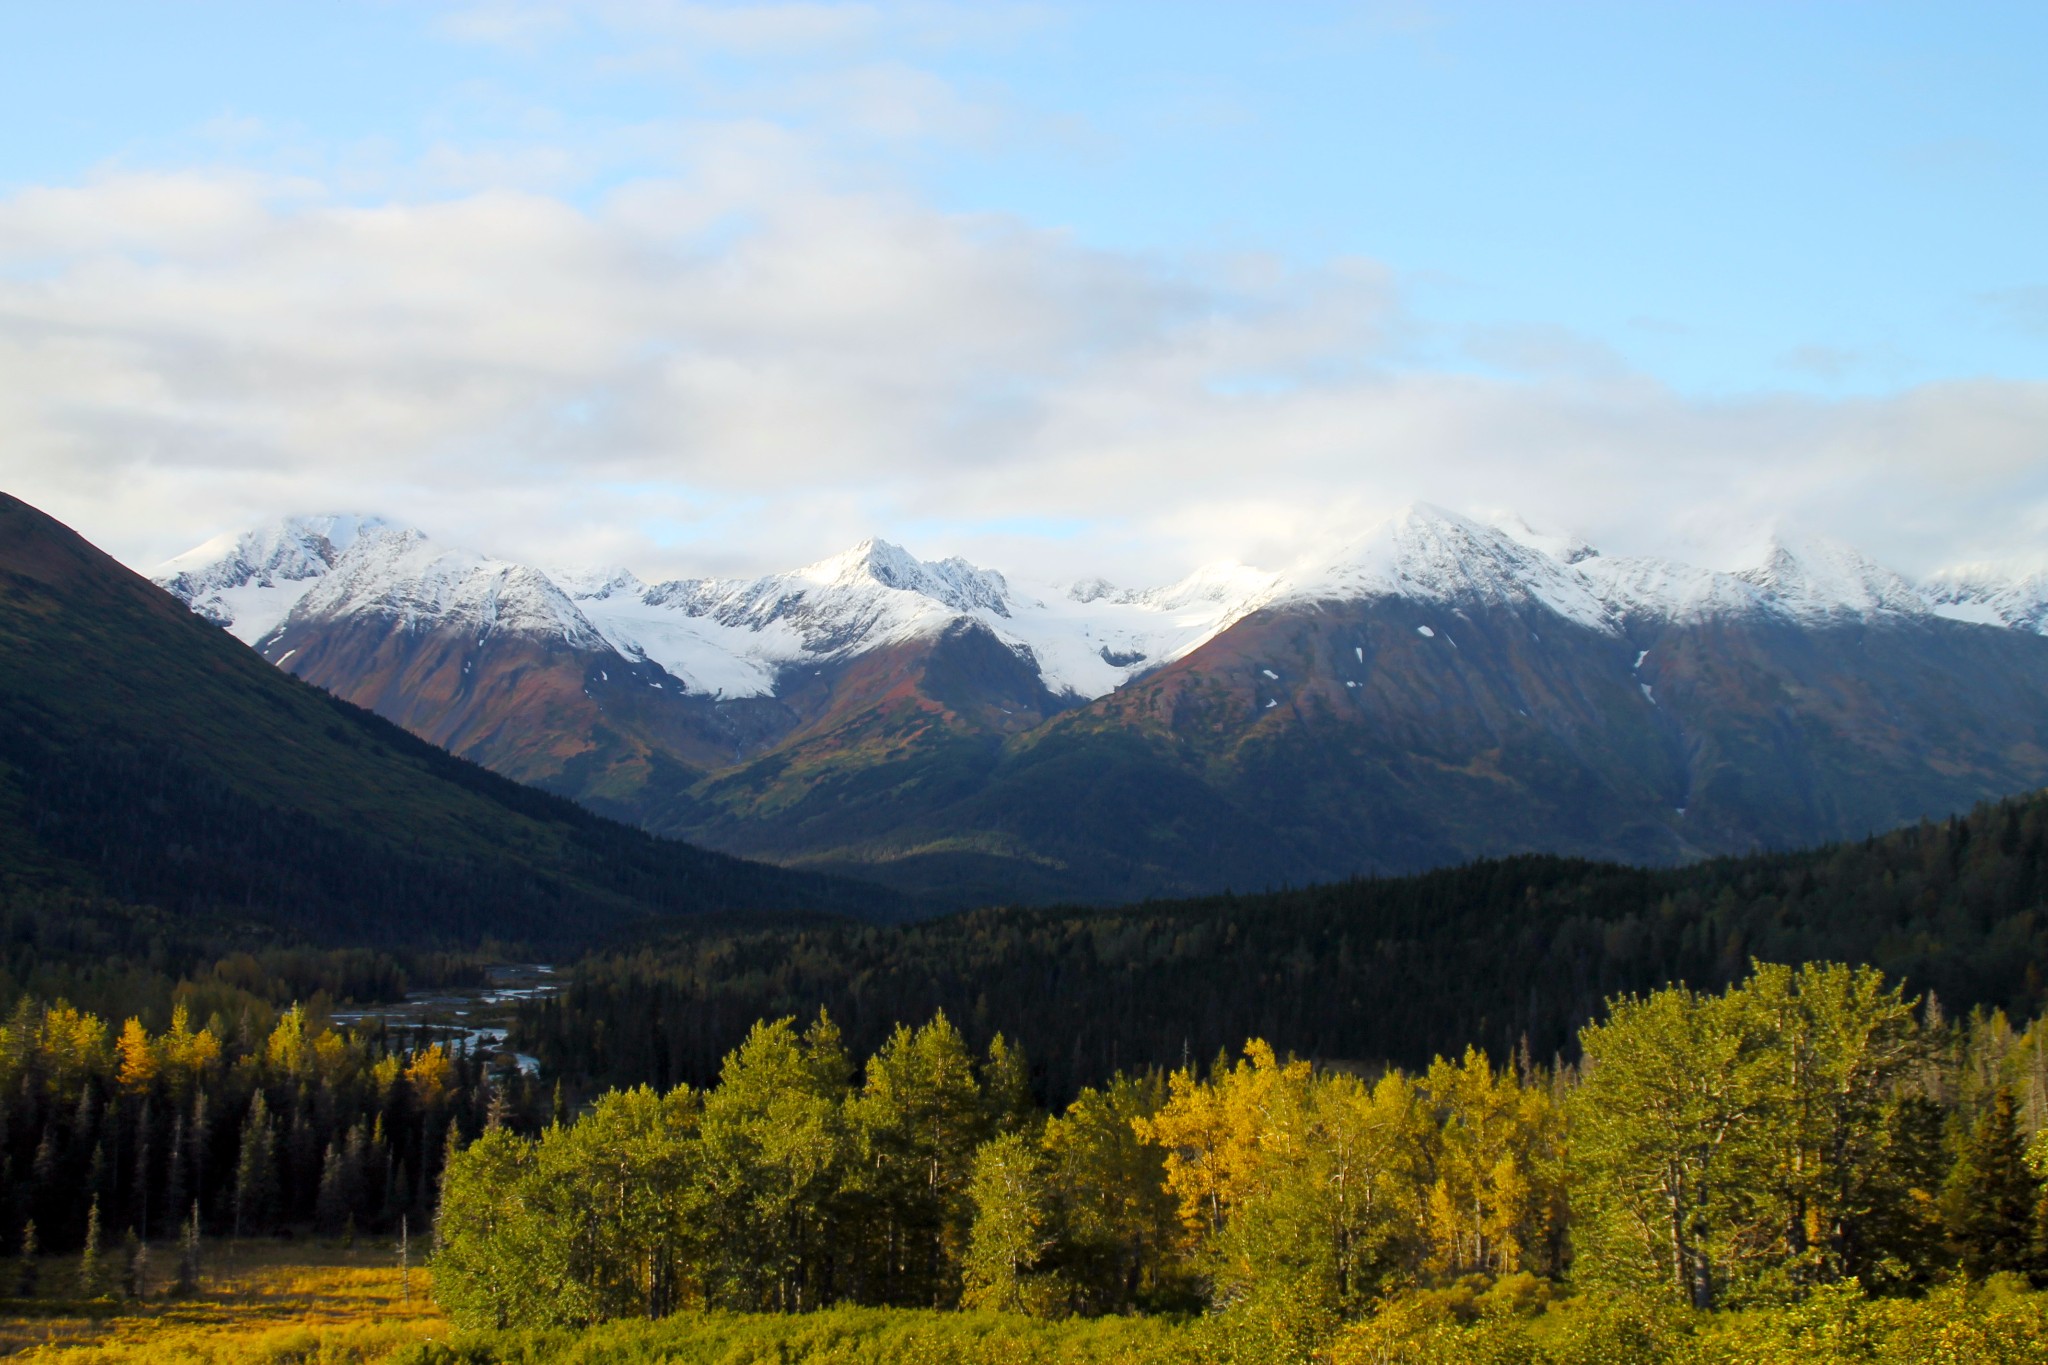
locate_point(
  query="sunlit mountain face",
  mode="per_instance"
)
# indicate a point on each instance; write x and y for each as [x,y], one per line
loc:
[1435,689]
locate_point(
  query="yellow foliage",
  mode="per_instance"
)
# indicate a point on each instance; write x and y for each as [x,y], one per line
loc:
[431,1075]
[258,1304]
[384,1075]
[330,1049]
[138,1057]
[287,1052]
[1487,1205]
[1217,1134]
[73,1047]
[187,1055]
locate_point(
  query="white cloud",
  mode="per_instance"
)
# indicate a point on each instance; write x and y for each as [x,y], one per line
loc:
[747,364]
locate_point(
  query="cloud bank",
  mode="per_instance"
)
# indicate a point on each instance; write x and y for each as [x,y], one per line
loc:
[754,355]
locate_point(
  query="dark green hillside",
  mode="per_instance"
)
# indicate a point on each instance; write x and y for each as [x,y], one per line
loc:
[162,785]
[1399,969]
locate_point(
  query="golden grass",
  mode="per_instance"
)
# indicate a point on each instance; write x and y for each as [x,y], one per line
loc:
[259,1304]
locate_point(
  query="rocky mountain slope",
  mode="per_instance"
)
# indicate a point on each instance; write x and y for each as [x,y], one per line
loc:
[160,780]
[1435,690]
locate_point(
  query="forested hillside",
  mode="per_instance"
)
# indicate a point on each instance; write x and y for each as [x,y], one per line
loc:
[1503,955]
[165,795]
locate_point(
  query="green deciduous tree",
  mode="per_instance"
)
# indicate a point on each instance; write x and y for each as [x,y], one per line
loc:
[1012,1229]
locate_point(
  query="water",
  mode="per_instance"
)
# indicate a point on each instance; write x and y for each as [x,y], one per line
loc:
[472,1017]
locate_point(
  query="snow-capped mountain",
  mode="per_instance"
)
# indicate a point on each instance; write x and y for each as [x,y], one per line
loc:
[405,579]
[728,638]
[1991,595]
[1815,579]
[1425,553]
[1438,687]
[731,638]
[248,581]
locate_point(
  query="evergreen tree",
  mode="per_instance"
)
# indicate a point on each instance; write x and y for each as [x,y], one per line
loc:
[134,1265]
[90,1270]
[26,1266]
[1990,1197]
[187,1281]
[256,1171]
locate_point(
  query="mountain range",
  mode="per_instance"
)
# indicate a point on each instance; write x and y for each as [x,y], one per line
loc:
[165,794]
[1440,688]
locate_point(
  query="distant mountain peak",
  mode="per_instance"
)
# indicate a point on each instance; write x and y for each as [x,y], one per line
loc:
[1429,552]
[403,576]
[1813,577]
[953,582]
[248,581]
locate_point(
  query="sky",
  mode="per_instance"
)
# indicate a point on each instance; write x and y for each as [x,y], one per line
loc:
[1114,288]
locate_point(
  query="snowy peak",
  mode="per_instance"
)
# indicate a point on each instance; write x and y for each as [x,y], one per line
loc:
[1815,579]
[1086,637]
[1432,554]
[247,582]
[953,582]
[1991,595]
[287,551]
[402,577]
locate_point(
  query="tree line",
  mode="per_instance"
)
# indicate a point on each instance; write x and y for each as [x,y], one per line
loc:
[248,1123]
[1500,954]
[1806,1127]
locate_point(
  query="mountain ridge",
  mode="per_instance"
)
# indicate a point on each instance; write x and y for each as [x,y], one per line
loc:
[1439,688]
[157,769]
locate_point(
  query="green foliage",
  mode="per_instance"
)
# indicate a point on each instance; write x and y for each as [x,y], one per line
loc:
[1012,1201]
[1991,1196]
[1752,1141]
[775,1153]
[1471,1323]
[839,1336]
[1771,1153]
[1507,955]
[1116,1219]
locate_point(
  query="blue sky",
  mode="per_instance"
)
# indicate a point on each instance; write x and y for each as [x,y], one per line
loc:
[1790,249]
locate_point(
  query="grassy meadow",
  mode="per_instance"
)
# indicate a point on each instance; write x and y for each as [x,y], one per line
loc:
[258,1301]
[280,1303]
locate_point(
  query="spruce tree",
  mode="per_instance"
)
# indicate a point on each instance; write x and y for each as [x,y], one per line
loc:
[26,1265]
[256,1171]
[89,1266]
[134,1264]
[1989,1200]
[188,1256]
